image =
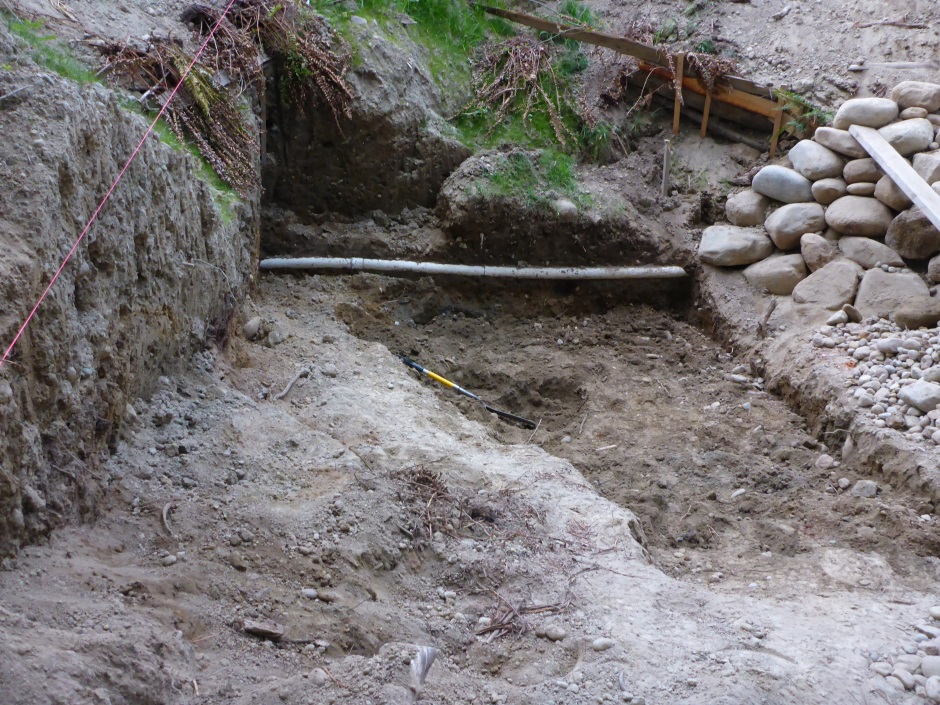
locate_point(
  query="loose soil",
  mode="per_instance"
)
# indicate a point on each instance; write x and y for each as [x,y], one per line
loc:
[414,513]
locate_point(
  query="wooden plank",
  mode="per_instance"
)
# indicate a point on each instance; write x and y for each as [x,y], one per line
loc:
[676,111]
[778,126]
[902,173]
[622,45]
[752,103]
[705,112]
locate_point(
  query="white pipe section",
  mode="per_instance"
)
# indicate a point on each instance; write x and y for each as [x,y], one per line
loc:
[383,265]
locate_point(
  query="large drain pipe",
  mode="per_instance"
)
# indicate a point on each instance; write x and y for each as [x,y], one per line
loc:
[384,265]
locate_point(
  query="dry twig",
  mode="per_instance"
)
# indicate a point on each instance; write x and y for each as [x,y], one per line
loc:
[514,71]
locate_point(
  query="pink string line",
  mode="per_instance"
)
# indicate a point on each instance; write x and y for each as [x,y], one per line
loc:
[104,200]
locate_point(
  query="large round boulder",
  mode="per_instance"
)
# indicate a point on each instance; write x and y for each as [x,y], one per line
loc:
[777,275]
[927,165]
[882,293]
[825,191]
[913,236]
[862,170]
[840,141]
[831,287]
[782,184]
[859,215]
[747,208]
[908,136]
[814,161]
[817,251]
[888,193]
[731,246]
[870,112]
[789,223]
[917,94]
[869,253]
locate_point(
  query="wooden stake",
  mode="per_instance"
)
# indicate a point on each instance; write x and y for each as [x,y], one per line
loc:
[778,126]
[666,169]
[680,65]
[708,107]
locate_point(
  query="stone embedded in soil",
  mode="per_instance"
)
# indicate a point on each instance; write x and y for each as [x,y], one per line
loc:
[921,395]
[251,329]
[862,170]
[825,191]
[777,274]
[309,593]
[730,245]
[567,211]
[917,94]
[888,193]
[603,643]
[789,223]
[555,632]
[869,112]
[329,370]
[830,287]
[881,293]
[865,488]
[908,136]
[814,161]
[912,235]
[747,208]
[782,184]
[840,141]
[318,677]
[860,216]
[817,251]
[169,560]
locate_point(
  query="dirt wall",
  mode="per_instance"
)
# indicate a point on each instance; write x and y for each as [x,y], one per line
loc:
[394,153]
[157,278]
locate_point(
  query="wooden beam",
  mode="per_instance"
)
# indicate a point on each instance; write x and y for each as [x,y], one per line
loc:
[705,112]
[677,109]
[901,173]
[752,103]
[621,45]
[778,126]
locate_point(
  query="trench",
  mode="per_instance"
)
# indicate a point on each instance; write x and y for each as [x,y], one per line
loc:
[624,382]
[655,414]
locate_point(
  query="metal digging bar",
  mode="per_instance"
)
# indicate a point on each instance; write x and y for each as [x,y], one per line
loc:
[460,390]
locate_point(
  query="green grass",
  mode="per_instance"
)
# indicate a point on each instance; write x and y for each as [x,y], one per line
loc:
[578,11]
[47,51]
[450,29]
[536,182]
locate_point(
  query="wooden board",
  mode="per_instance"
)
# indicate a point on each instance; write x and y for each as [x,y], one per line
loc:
[747,101]
[902,173]
[622,45]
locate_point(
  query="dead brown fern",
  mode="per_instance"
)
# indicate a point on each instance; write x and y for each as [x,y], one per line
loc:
[200,111]
[710,68]
[513,72]
[312,59]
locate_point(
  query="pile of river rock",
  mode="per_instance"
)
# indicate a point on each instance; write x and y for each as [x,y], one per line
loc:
[832,229]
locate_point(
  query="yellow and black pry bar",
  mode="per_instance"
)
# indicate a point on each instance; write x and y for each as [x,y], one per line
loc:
[460,390]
